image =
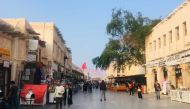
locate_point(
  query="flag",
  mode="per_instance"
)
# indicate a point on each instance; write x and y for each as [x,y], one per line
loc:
[84,66]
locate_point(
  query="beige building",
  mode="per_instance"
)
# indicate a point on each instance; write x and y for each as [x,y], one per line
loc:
[129,73]
[58,56]
[14,38]
[168,50]
[30,50]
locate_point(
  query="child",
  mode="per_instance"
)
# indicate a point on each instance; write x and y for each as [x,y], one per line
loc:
[139,92]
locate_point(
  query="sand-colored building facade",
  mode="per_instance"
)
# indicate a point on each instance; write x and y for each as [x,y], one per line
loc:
[168,50]
[130,73]
[58,56]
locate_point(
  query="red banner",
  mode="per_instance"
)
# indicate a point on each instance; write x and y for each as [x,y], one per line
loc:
[38,90]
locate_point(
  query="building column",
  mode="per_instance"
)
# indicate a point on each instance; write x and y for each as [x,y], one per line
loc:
[186,75]
[171,75]
[15,44]
[150,80]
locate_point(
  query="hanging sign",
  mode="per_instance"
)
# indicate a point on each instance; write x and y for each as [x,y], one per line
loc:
[5,53]
[6,64]
[33,45]
[31,57]
[171,60]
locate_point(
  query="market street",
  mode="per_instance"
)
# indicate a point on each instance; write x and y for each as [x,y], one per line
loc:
[120,100]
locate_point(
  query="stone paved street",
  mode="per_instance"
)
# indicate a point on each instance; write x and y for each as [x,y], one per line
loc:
[120,100]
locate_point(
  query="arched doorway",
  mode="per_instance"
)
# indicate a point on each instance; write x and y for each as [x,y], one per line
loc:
[178,75]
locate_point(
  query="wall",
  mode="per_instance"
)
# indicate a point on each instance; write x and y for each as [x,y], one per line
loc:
[165,47]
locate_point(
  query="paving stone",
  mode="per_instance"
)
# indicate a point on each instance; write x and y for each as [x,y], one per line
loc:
[119,100]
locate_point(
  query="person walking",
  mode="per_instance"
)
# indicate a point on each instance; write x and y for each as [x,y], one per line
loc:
[13,96]
[157,90]
[103,90]
[68,95]
[139,90]
[58,95]
[131,86]
[65,95]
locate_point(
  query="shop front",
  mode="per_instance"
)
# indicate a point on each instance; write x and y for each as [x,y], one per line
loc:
[173,72]
[5,70]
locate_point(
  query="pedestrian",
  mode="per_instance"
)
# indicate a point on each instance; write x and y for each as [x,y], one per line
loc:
[85,87]
[13,96]
[58,95]
[139,90]
[103,90]
[131,86]
[90,87]
[157,90]
[70,96]
[65,95]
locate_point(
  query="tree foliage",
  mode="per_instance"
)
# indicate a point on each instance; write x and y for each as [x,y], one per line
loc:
[127,43]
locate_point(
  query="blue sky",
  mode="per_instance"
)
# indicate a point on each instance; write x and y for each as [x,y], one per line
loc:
[83,22]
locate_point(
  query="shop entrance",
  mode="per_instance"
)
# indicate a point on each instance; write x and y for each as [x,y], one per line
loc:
[178,75]
[5,76]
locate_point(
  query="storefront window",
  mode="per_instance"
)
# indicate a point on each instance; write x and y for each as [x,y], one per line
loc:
[178,71]
[178,74]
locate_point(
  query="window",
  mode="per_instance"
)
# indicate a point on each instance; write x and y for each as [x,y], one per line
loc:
[184,28]
[155,45]
[164,38]
[159,42]
[170,36]
[150,46]
[177,32]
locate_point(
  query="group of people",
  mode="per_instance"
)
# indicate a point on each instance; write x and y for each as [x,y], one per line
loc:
[63,94]
[157,88]
[132,87]
[89,85]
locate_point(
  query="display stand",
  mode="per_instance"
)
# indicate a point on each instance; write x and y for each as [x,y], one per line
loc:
[180,95]
[39,91]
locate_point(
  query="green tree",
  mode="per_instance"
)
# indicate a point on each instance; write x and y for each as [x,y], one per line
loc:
[127,43]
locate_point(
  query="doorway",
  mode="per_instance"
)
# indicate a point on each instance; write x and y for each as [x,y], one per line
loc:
[178,75]
[5,78]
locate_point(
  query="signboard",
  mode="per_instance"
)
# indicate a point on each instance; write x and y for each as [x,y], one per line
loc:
[33,45]
[5,53]
[178,58]
[6,64]
[31,57]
